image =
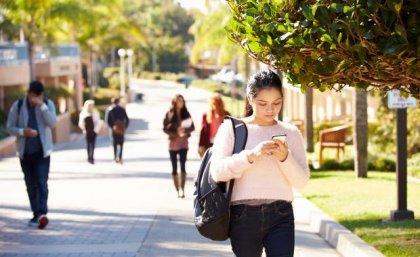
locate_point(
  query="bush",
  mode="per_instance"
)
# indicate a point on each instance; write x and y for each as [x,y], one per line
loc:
[413,164]
[382,164]
[102,96]
[54,93]
[209,85]
[383,134]
[347,164]
[11,96]
[74,116]
[162,75]
[330,164]
[111,78]
[377,164]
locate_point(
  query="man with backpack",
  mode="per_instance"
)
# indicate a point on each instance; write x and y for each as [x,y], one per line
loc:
[118,122]
[31,120]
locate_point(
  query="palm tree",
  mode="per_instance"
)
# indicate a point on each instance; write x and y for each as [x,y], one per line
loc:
[39,20]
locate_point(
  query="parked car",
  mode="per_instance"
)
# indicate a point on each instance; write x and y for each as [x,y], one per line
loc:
[227,76]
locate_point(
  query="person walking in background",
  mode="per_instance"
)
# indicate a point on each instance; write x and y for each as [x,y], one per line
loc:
[106,117]
[118,121]
[178,125]
[210,122]
[264,173]
[31,120]
[90,123]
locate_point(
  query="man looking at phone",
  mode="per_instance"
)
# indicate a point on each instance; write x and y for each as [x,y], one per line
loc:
[31,119]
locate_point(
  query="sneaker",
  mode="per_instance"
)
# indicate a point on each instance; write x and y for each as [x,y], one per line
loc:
[42,221]
[33,222]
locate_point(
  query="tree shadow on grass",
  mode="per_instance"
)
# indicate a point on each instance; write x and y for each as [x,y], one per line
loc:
[400,238]
[322,174]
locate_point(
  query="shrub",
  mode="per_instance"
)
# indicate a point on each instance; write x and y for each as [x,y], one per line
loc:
[162,75]
[330,164]
[413,164]
[387,130]
[11,96]
[382,164]
[102,96]
[208,85]
[74,116]
[375,163]
[111,77]
[347,164]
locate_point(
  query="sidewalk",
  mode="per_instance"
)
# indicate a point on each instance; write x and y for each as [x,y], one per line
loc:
[112,210]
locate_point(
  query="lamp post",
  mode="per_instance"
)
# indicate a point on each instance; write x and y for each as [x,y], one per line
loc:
[130,66]
[121,53]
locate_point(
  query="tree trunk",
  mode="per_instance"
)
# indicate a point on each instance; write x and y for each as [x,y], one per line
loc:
[309,123]
[360,134]
[90,75]
[31,53]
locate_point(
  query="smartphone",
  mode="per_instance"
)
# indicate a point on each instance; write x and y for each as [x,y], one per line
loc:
[282,138]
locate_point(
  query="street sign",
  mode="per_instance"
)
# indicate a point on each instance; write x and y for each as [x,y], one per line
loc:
[395,100]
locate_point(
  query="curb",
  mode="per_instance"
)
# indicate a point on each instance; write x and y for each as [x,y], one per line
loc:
[339,237]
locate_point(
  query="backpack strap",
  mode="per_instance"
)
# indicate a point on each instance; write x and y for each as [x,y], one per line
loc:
[20,102]
[240,132]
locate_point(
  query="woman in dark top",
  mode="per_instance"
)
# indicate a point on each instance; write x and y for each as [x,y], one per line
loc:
[178,125]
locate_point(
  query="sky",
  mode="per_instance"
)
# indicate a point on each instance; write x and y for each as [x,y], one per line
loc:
[198,4]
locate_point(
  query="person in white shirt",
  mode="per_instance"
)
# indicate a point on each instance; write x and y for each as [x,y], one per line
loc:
[90,124]
[265,172]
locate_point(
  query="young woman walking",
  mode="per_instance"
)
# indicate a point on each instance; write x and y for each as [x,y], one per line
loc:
[272,163]
[178,125]
[89,123]
[210,123]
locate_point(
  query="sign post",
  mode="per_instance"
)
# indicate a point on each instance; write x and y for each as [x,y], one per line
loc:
[401,104]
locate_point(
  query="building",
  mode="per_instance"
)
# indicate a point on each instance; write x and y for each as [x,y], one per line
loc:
[54,67]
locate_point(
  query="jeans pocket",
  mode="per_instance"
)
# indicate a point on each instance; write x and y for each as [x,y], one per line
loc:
[285,211]
[238,212]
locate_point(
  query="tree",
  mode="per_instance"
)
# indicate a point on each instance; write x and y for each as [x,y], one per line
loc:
[208,37]
[366,44]
[38,20]
[166,26]
[332,44]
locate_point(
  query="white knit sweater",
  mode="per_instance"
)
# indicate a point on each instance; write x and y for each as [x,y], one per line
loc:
[267,177]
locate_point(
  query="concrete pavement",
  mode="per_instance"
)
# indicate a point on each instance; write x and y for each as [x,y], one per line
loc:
[128,210]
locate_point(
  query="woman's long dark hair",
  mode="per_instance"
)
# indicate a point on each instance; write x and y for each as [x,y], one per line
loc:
[172,111]
[264,79]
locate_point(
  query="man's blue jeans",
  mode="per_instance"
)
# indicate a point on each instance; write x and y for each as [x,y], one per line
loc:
[35,169]
[269,226]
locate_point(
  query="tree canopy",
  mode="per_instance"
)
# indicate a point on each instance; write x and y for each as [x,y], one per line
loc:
[366,44]
[101,27]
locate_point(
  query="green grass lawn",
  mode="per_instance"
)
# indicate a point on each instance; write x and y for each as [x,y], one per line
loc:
[362,205]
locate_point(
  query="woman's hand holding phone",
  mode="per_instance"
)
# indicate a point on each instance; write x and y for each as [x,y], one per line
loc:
[264,148]
[282,150]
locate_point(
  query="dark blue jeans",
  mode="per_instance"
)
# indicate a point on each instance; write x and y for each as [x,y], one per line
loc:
[35,169]
[268,226]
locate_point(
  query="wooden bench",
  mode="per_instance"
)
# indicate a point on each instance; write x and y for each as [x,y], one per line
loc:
[332,138]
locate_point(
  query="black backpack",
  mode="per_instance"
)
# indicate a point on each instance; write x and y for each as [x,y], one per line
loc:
[89,125]
[211,201]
